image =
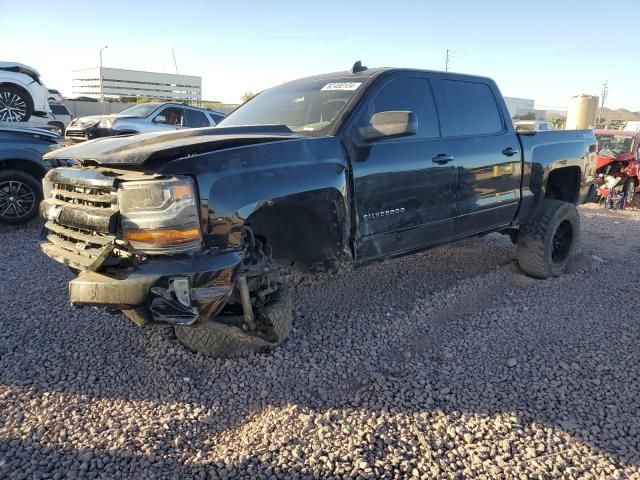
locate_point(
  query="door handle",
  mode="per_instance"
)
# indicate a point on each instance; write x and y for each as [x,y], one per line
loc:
[443,158]
[510,152]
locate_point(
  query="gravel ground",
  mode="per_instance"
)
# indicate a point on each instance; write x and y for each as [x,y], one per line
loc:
[447,364]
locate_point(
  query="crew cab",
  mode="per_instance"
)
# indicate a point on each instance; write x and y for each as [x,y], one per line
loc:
[618,167]
[188,228]
[142,118]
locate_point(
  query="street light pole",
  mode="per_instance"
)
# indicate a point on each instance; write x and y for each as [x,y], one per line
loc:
[101,89]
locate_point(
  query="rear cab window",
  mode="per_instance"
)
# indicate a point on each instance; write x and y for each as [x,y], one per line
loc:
[467,107]
[408,94]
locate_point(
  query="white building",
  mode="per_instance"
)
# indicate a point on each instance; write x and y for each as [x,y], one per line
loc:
[118,83]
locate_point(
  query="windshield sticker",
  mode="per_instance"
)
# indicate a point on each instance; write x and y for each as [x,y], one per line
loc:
[342,86]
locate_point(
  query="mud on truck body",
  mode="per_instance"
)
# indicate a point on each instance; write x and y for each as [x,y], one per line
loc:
[183,228]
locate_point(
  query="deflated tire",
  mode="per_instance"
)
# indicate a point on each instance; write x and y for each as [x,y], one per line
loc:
[224,336]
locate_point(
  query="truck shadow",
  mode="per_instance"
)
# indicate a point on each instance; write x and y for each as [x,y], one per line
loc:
[437,346]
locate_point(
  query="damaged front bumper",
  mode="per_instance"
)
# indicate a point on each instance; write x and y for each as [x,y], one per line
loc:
[176,291]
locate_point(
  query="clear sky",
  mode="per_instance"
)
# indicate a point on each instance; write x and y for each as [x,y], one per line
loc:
[539,49]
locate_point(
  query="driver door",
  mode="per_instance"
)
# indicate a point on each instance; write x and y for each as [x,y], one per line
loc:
[404,191]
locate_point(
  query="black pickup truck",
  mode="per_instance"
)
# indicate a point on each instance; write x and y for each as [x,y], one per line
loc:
[183,228]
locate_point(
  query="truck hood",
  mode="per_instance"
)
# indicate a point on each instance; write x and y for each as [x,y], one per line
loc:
[166,146]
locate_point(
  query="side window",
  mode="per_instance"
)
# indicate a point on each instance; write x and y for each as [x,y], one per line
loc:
[413,94]
[469,108]
[59,110]
[172,116]
[215,118]
[196,119]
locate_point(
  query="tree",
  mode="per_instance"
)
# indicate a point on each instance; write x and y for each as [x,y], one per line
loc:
[248,95]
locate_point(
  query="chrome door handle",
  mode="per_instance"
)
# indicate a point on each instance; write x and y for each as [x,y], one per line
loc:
[443,158]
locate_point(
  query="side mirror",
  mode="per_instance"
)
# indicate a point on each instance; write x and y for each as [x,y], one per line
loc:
[160,119]
[398,123]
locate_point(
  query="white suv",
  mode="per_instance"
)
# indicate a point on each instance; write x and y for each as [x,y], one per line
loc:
[22,94]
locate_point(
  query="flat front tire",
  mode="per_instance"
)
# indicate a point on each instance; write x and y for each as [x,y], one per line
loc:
[547,243]
[224,336]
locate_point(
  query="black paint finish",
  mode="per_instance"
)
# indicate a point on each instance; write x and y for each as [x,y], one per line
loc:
[390,196]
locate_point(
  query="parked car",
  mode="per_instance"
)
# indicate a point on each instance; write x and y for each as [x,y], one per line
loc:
[54,96]
[142,118]
[22,94]
[22,169]
[532,126]
[181,227]
[618,167]
[59,118]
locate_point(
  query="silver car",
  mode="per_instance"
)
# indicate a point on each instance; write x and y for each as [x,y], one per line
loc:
[143,118]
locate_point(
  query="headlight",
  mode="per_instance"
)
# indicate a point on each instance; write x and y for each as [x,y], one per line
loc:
[106,123]
[160,216]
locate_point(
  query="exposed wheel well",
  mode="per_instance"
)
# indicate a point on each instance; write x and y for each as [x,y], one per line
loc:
[305,228]
[564,184]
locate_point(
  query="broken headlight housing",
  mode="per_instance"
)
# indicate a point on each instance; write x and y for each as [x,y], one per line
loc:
[160,217]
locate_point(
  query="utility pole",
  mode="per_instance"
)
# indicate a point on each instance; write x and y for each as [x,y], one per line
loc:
[603,96]
[446,62]
[175,64]
[101,76]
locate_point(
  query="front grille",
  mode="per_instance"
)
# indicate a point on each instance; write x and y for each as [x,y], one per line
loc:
[88,196]
[81,214]
[76,135]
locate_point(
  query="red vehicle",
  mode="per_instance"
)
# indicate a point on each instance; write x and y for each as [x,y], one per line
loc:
[617,166]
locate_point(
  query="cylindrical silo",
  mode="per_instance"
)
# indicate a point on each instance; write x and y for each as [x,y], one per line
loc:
[582,111]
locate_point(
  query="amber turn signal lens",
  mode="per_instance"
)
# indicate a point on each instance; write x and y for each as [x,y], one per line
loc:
[163,237]
[182,191]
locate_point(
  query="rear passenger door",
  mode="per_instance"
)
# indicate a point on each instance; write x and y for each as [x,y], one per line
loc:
[404,199]
[195,118]
[485,152]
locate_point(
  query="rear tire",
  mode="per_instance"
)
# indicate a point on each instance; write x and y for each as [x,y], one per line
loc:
[630,195]
[224,336]
[547,243]
[20,196]
[15,104]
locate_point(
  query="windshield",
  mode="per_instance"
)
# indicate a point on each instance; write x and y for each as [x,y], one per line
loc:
[142,110]
[308,107]
[614,144]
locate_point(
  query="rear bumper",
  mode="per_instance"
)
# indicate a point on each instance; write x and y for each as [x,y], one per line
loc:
[148,290]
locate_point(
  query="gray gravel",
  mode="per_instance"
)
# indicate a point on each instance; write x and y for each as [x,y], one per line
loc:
[447,364]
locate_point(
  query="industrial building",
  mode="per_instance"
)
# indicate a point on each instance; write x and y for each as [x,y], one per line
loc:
[119,84]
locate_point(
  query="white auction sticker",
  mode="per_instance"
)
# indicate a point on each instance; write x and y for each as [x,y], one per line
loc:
[342,86]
